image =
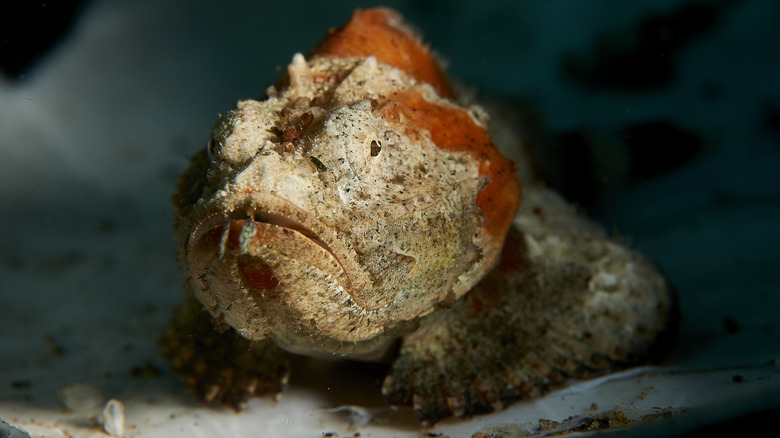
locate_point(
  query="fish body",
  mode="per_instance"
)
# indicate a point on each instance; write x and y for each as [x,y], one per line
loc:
[358,205]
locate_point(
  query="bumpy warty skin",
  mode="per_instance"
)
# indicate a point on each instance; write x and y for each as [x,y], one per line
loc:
[565,302]
[327,219]
[356,205]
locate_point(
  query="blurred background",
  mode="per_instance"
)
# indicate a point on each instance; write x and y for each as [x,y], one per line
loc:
[658,118]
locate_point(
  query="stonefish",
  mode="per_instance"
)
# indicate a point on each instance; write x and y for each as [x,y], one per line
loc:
[358,211]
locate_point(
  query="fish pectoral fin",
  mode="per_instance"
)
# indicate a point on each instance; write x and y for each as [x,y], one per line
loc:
[534,323]
[221,367]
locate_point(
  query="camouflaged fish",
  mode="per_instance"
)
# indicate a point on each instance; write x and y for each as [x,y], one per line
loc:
[358,206]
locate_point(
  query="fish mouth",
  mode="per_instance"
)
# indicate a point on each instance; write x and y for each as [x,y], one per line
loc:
[262,225]
[265,265]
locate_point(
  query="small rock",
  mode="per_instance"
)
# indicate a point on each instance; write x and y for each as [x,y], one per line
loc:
[114,417]
[82,398]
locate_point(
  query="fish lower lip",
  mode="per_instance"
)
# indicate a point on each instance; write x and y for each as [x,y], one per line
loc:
[287,223]
[251,227]
[251,240]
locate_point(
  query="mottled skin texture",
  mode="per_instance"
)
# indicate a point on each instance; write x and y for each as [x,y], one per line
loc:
[358,205]
[564,302]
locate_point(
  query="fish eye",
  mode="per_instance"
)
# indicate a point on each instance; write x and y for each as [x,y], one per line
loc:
[376,147]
